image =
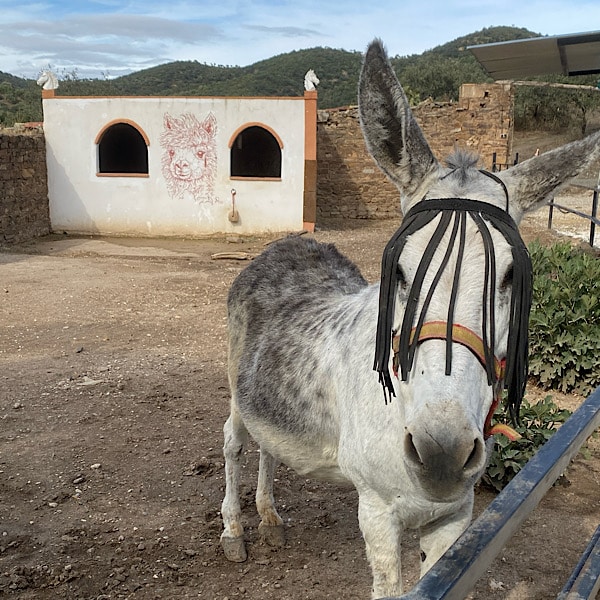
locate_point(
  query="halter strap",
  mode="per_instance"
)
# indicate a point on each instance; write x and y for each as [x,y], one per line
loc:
[498,181]
[485,209]
[437,330]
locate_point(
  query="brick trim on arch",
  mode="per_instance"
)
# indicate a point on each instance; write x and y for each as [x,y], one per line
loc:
[118,122]
[254,124]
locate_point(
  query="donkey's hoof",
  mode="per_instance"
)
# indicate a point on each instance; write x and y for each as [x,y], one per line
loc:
[273,535]
[234,548]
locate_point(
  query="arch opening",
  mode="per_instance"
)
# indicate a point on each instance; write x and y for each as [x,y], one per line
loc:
[255,152]
[122,149]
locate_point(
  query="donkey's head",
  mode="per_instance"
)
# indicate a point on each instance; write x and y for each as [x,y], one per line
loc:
[456,283]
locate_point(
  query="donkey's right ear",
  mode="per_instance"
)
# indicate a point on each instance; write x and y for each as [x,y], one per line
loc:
[393,137]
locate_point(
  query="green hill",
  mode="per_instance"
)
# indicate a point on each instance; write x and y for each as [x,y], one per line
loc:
[488,35]
[20,100]
[436,73]
[282,75]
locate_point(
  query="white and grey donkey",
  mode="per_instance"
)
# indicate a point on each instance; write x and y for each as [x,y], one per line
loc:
[302,329]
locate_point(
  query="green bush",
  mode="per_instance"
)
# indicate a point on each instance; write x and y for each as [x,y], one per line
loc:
[564,327]
[564,350]
[538,424]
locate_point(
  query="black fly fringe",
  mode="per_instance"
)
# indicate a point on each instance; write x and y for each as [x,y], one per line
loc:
[454,212]
[387,290]
[489,294]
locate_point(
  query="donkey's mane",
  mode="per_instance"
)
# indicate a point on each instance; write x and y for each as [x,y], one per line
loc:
[461,162]
[462,159]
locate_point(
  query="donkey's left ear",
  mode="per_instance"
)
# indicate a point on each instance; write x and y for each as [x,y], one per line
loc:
[533,182]
[391,133]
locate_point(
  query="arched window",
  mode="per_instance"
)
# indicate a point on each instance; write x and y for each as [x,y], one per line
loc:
[256,152]
[122,149]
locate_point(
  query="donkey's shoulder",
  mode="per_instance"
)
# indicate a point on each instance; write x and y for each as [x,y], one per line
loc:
[318,262]
[296,264]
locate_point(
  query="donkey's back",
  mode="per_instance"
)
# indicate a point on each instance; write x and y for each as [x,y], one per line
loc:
[294,269]
[284,294]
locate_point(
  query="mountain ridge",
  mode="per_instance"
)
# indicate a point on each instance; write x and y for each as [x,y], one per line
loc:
[436,73]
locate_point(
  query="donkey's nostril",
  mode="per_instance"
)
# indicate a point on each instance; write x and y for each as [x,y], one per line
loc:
[441,456]
[474,457]
[411,450]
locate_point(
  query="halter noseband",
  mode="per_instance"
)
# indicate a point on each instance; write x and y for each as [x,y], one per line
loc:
[511,371]
[436,330]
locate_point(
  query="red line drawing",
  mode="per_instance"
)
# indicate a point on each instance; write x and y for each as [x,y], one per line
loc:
[189,159]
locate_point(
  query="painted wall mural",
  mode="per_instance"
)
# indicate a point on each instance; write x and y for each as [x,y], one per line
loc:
[189,159]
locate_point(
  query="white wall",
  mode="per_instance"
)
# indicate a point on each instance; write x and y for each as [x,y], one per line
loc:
[83,202]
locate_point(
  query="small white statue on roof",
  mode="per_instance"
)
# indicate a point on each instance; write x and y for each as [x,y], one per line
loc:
[311,81]
[48,80]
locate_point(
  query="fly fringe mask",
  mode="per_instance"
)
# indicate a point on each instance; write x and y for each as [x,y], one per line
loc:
[453,214]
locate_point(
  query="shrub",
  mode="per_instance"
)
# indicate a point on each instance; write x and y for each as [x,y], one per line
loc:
[564,350]
[538,424]
[564,327]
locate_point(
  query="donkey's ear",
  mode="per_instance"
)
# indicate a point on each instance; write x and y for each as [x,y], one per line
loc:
[534,181]
[393,137]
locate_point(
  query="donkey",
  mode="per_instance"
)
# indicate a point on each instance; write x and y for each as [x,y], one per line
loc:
[447,326]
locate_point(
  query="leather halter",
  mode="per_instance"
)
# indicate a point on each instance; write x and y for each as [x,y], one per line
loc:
[437,330]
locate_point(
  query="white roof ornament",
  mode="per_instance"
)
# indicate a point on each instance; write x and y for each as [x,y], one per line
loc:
[48,80]
[311,81]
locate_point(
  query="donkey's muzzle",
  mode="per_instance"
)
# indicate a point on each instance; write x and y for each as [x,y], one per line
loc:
[443,461]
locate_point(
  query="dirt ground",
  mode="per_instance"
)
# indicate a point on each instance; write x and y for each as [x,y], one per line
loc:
[113,394]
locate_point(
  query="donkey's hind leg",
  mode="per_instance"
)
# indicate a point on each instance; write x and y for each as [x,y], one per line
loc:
[271,524]
[232,538]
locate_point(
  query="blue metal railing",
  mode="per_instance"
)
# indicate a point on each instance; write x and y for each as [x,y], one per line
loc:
[585,580]
[457,571]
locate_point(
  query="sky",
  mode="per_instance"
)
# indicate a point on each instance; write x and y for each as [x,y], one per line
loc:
[109,38]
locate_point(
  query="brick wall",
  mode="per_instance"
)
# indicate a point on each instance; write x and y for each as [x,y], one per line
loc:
[349,183]
[24,212]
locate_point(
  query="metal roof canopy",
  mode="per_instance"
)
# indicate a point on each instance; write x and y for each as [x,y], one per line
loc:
[574,54]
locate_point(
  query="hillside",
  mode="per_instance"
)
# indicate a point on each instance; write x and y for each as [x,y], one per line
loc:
[436,73]
[282,75]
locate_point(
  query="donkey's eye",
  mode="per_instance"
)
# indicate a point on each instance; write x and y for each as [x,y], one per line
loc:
[508,278]
[400,277]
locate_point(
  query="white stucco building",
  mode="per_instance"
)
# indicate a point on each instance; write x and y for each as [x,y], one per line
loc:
[180,166]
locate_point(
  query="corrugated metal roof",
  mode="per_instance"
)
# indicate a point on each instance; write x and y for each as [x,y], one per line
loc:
[574,54]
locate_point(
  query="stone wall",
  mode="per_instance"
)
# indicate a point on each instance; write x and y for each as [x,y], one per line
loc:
[349,183]
[24,211]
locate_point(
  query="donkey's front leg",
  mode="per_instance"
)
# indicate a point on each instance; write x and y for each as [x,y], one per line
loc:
[232,538]
[438,536]
[271,524]
[382,533]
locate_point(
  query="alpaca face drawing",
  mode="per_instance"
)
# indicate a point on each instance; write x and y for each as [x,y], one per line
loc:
[189,158]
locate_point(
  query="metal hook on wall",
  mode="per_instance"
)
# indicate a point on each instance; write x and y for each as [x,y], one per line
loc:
[234,215]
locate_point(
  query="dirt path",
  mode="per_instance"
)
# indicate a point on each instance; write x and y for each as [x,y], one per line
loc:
[113,395]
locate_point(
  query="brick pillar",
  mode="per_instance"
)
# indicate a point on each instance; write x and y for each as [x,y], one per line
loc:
[310,160]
